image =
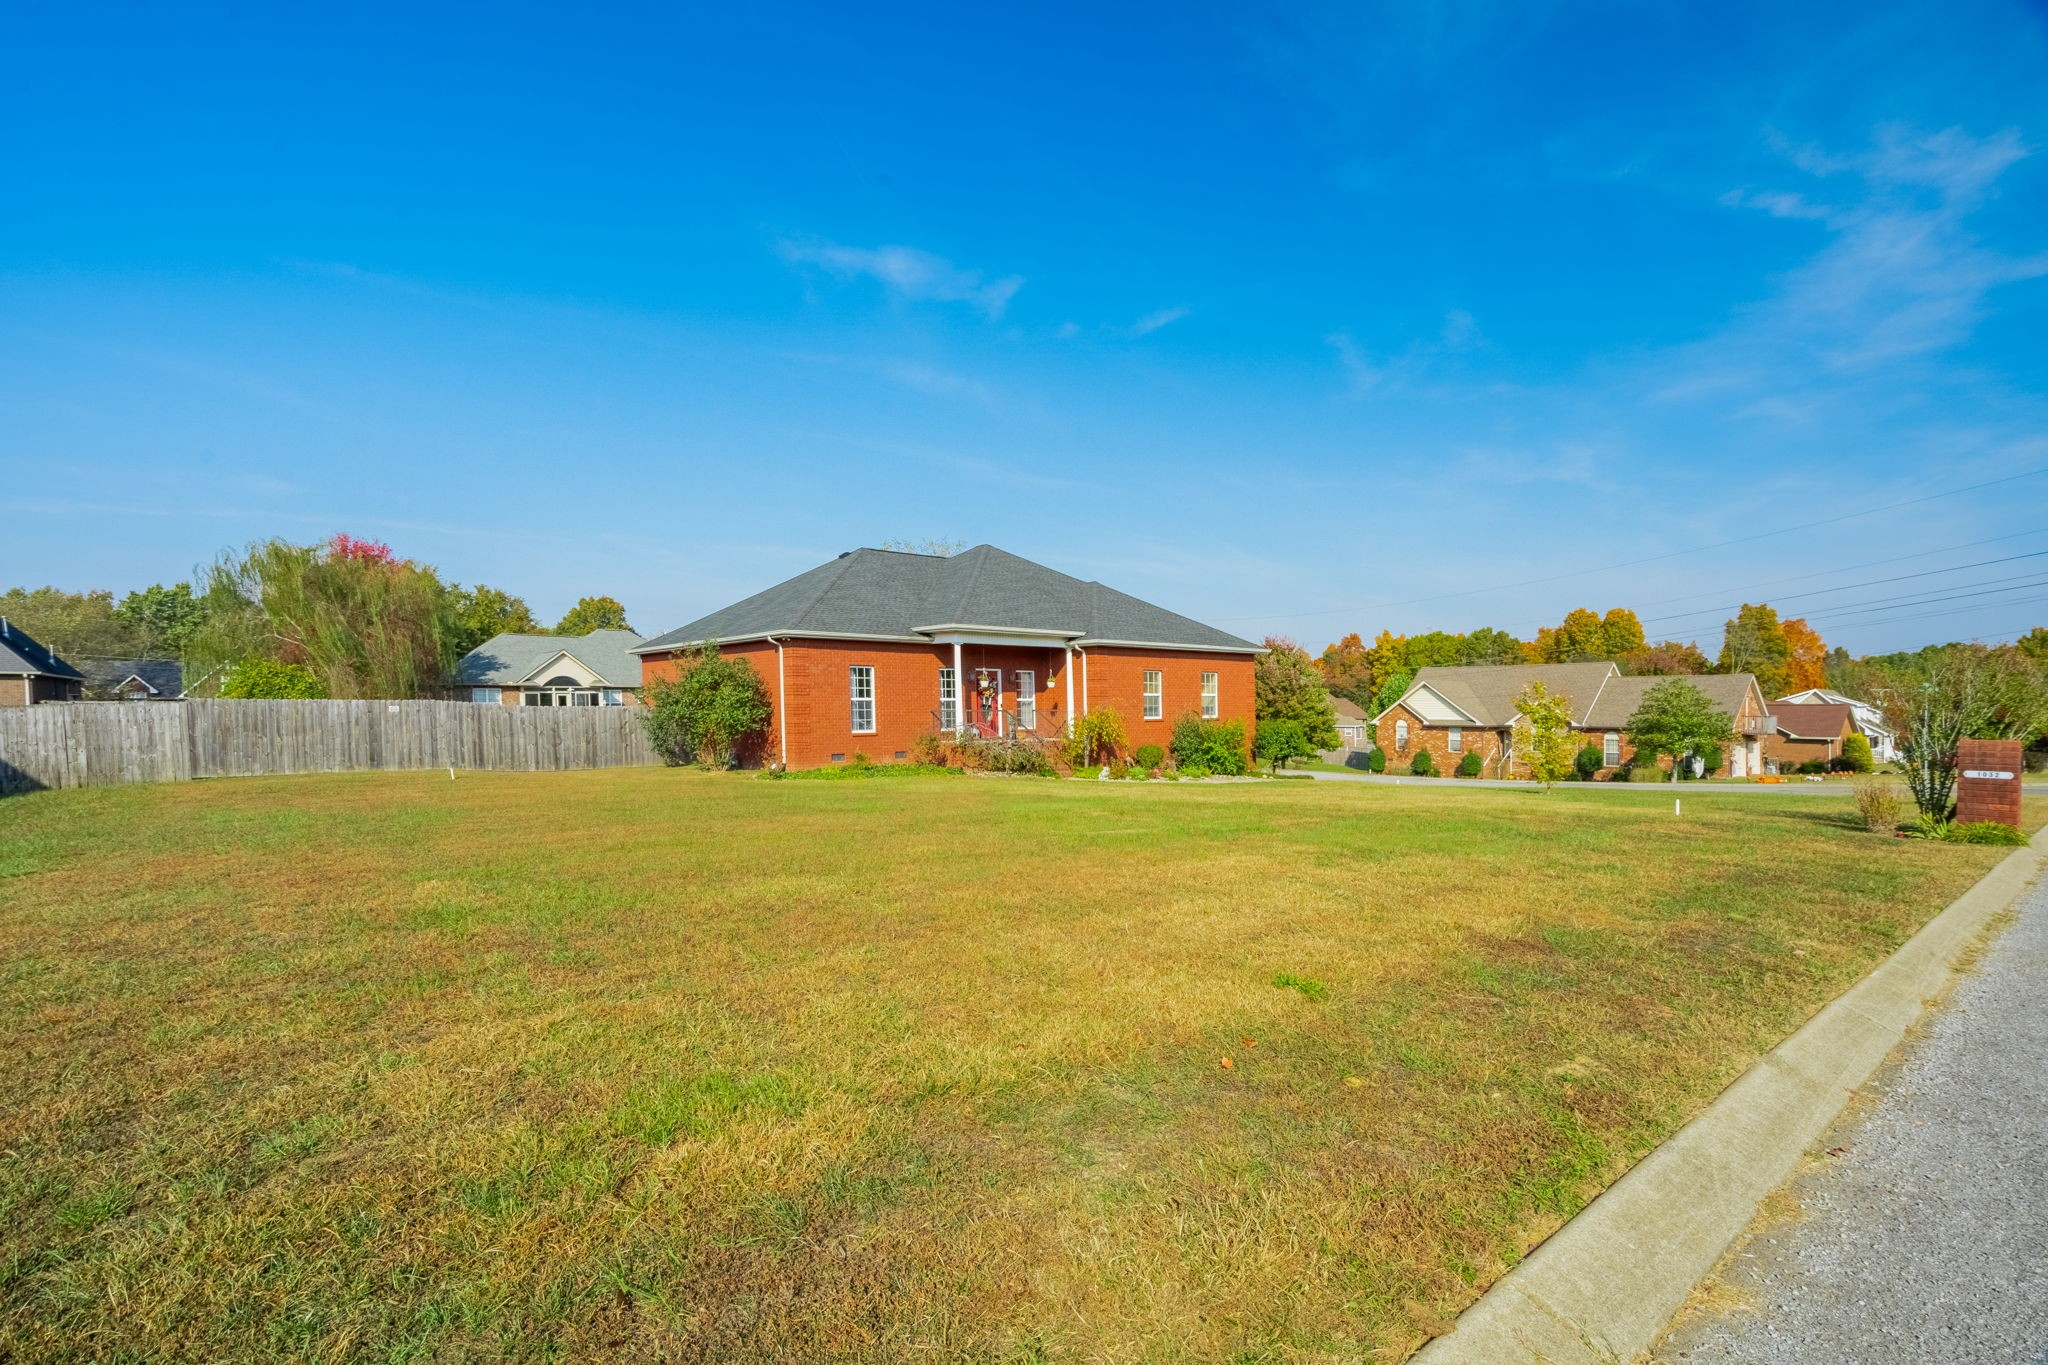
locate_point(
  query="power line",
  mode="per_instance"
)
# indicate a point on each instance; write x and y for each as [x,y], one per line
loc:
[1839,568]
[1850,587]
[1932,615]
[1679,554]
[2014,584]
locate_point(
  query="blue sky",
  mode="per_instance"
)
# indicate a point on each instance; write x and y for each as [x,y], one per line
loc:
[1301,320]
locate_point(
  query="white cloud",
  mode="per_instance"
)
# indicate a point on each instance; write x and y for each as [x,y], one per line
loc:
[1152,322]
[909,273]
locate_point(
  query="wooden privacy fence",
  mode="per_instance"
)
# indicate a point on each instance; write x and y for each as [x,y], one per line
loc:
[91,744]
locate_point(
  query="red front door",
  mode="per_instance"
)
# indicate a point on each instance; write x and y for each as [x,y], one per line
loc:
[985,701]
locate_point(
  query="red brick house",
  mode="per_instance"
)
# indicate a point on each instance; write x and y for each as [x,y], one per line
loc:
[1455,711]
[866,653]
[1808,732]
[30,673]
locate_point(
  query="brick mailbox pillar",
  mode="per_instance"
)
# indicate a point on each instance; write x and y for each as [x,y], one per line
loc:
[1988,781]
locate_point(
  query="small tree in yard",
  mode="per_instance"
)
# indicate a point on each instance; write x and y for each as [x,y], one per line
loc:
[1955,693]
[1543,733]
[1678,719]
[1287,685]
[708,710]
[1857,755]
[1281,740]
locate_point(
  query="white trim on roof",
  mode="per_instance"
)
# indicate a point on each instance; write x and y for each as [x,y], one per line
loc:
[1161,644]
[960,627]
[1413,688]
[1055,642]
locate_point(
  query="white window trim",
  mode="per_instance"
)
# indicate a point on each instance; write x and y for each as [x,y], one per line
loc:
[1210,691]
[1400,736]
[1027,699]
[1154,684]
[1455,743]
[1610,750]
[856,674]
[949,699]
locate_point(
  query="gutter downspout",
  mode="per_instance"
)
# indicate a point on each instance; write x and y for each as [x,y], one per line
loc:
[781,704]
[959,692]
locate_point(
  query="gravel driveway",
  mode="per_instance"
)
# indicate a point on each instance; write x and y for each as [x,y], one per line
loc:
[1925,1233]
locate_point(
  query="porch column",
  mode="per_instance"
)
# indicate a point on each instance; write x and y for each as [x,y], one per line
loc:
[959,693]
[1067,672]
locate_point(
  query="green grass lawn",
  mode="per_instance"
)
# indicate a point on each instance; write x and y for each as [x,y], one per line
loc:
[669,1065]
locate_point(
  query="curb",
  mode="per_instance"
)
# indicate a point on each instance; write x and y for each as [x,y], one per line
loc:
[1602,1289]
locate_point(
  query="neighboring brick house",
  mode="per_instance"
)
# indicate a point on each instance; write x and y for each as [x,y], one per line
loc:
[598,669]
[1870,723]
[1808,732]
[31,674]
[868,652]
[1455,711]
[133,679]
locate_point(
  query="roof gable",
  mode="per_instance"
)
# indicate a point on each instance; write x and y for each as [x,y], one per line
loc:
[1814,720]
[163,677]
[1487,692]
[510,659]
[894,595]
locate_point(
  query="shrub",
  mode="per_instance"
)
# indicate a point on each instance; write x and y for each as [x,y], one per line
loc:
[714,709]
[844,772]
[1423,765]
[1280,740]
[1378,761]
[1098,737]
[1812,766]
[1880,804]
[1150,756]
[1842,763]
[1004,754]
[1191,771]
[928,750]
[1138,773]
[1643,768]
[1711,759]
[258,678]
[1856,752]
[1591,758]
[1469,765]
[1118,772]
[1214,745]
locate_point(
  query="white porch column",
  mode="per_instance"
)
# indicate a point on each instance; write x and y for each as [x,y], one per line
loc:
[959,693]
[1067,671]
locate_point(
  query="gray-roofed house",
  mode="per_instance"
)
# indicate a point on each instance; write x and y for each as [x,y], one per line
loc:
[598,669]
[133,679]
[868,651]
[1454,711]
[31,673]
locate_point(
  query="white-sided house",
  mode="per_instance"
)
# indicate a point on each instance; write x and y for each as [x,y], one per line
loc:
[1869,719]
[597,669]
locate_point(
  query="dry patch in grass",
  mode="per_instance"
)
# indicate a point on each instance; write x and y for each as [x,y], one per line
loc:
[664,1065]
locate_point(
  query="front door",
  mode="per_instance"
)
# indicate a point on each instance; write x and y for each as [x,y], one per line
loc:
[985,703]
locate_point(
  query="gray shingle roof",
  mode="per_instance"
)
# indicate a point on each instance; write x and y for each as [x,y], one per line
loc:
[1487,692]
[1602,697]
[893,595]
[167,676]
[504,660]
[20,652]
[1620,698]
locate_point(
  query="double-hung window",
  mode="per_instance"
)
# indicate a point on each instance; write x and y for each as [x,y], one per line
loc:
[1155,695]
[485,696]
[862,678]
[1027,699]
[949,699]
[1401,736]
[1610,750]
[1208,696]
[1457,740]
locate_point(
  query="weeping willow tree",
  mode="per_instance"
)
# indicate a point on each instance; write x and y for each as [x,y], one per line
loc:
[363,621]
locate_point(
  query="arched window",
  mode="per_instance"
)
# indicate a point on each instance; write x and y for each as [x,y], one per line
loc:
[1401,736]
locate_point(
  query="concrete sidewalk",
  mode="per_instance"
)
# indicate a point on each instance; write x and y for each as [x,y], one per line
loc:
[1922,1231]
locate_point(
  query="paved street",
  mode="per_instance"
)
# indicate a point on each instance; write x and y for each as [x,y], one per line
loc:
[1924,1234]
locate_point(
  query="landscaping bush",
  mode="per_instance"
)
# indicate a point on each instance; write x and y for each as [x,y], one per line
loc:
[1150,756]
[1377,761]
[851,771]
[1712,757]
[1098,737]
[1423,765]
[269,678]
[1280,740]
[1591,758]
[1983,832]
[714,709]
[1469,765]
[928,750]
[1005,754]
[1190,771]
[1880,803]
[1813,766]
[1118,772]
[1856,752]
[1842,763]
[1643,768]
[1215,745]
